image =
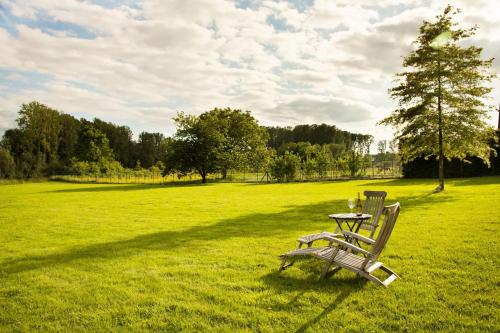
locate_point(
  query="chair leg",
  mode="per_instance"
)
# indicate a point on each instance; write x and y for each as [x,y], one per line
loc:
[292,261]
[371,278]
[324,273]
[333,271]
[283,265]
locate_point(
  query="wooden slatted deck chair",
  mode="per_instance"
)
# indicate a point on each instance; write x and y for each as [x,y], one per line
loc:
[373,205]
[341,254]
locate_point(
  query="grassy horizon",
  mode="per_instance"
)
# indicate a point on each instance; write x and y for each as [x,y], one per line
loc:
[101,257]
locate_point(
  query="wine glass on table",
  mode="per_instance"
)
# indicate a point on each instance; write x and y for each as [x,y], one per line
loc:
[351,204]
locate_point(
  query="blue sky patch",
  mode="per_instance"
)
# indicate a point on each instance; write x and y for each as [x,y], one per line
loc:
[278,24]
[47,24]
[248,4]
[17,80]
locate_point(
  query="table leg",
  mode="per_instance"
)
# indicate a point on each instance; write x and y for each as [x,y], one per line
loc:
[339,224]
[357,230]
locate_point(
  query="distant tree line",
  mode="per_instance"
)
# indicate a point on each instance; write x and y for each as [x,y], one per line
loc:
[314,134]
[48,142]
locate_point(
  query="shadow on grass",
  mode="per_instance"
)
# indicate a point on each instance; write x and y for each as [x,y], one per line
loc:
[340,288]
[102,187]
[401,182]
[288,223]
[335,303]
[471,181]
[475,181]
[257,225]
[124,187]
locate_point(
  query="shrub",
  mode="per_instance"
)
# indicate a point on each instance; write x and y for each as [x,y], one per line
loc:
[284,167]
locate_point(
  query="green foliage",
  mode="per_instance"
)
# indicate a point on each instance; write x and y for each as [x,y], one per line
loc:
[157,168]
[22,151]
[196,147]
[7,164]
[93,145]
[47,141]
[215,141]
[110,167]
[285,167]
[354,160]
[40,126]
[152,148]
[382,150]
[314,134]
[68,137]
[324,160]
[120,140]
[80,168]
[441,95]
[102,167]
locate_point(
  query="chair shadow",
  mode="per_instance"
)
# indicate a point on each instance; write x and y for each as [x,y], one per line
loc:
[342,287]
[336,302]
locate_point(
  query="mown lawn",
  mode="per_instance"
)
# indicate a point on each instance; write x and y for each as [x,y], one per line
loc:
[86,258]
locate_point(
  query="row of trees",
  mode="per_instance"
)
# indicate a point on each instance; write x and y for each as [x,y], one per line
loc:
[47,141]
[225,139]
[315,134]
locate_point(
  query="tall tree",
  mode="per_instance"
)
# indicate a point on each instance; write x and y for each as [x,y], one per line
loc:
[21,150]
[197,144]
[215,141]
[441,96]
[41,126]
[151,149]
[120,140]
[70,130]
[93,145]
[7,164]
[242,137]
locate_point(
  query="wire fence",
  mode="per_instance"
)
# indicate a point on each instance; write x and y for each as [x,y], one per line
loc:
[365,169]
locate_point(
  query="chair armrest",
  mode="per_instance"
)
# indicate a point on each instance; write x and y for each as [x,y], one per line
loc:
[348,245]
[314,237]
[359,237]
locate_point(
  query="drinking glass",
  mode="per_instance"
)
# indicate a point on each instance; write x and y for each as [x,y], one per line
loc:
[351,204]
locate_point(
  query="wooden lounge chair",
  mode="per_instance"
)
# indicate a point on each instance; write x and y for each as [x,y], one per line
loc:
[373,205]
[341,254]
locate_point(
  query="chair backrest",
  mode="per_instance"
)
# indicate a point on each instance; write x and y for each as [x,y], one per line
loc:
[391,215]
[374,204]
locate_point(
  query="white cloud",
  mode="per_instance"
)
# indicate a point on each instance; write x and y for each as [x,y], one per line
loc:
[333,62]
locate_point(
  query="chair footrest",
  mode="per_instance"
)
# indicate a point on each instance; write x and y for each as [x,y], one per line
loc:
[388,281]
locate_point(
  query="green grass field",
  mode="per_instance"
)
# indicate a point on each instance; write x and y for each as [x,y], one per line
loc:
[87,257]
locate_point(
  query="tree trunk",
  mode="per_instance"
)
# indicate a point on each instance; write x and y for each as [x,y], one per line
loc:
[203,177]
[440,134]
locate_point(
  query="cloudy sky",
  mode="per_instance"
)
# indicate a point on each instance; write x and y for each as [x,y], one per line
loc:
[137,62]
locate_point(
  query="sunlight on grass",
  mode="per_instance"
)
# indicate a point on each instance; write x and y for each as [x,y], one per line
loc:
[87,257]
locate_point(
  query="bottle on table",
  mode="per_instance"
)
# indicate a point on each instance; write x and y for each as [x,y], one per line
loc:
[359,206]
